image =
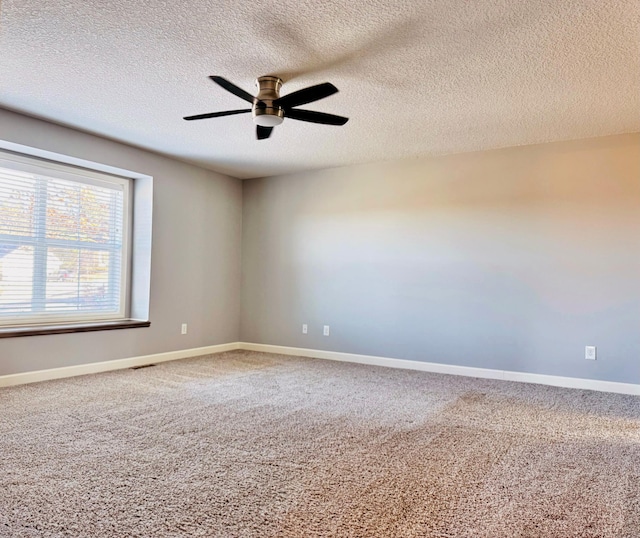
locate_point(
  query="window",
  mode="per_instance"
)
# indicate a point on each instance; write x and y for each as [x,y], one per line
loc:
[64,243]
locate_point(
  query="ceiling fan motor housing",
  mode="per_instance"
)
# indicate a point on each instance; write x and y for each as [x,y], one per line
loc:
[264,112]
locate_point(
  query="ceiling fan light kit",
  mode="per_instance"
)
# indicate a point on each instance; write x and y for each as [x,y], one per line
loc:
[268,115]
[269,109]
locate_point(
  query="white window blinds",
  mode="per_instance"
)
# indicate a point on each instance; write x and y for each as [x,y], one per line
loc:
[63,243]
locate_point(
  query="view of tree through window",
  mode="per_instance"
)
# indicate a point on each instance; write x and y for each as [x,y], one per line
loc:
[61,247]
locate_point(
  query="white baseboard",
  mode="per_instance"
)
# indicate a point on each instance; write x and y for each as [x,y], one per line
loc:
[106,366]
[118,364]
[523,377]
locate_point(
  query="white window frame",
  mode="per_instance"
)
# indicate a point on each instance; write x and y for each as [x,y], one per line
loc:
[69,172]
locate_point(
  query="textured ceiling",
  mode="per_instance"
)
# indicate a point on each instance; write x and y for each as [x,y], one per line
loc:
[416,77]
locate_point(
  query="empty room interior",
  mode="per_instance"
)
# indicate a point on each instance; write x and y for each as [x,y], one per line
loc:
[320,269]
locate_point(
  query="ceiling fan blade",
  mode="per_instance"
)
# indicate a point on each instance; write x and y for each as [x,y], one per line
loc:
[231,87]
[307,95]
[263,132]
[217,114]
[315,117]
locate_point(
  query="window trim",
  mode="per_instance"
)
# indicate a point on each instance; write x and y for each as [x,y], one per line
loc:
[135,273]
[63,328]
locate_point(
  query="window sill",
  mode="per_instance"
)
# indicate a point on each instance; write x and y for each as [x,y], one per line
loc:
[64,328]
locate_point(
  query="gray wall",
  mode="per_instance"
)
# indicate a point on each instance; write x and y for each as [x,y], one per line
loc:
[195,266]
[511,259]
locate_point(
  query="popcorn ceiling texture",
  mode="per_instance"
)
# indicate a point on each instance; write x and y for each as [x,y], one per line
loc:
[416,77]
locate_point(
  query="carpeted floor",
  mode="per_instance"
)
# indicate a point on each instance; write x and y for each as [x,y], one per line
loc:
[249,445]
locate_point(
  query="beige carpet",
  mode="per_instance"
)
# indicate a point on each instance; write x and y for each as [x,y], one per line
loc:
[255,445]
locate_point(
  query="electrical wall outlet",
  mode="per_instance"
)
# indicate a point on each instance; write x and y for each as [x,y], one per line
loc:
[183,330]
[590,353]
[305,329]
[325,330]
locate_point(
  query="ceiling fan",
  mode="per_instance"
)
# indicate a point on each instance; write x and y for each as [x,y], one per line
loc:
[269,109]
